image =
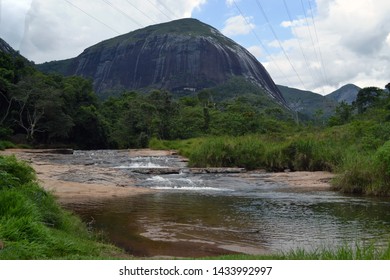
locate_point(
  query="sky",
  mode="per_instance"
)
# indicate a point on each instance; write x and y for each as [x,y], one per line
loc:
[316,45]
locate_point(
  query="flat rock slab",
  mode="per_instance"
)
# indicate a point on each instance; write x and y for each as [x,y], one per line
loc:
[210,170]
[223,170]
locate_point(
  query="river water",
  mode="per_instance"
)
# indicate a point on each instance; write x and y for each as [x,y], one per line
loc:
[192,215]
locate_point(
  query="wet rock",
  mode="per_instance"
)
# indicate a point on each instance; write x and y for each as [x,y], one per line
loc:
[224,170]
[52,151]
[156,171]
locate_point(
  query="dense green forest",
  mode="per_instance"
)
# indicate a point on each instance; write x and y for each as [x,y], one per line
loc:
[52,110]
[245,130]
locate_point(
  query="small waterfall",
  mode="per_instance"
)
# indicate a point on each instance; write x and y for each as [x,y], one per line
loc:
[151,162]
[181,182]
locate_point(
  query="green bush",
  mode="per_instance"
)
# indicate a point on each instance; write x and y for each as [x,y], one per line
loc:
[18,169]
[307,155]
[6,145]
[357,173]
[382,158]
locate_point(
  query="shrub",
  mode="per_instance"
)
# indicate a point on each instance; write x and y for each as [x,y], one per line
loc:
[358,173]
[6,145]
[382,158]
[18,169]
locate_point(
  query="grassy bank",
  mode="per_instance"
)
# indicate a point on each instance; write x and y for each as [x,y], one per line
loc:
[33,226]
[358,152]
[356,252]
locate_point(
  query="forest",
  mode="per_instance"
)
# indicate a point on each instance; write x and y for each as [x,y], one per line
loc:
[52,110]
[244,130]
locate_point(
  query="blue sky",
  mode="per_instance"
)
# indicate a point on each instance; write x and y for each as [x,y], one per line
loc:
[321,46]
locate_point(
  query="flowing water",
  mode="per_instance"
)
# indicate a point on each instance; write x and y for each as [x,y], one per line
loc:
[210,214]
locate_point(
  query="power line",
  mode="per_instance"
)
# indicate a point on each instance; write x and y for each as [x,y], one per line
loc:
[279,42]
[166,8]
[261,43]
[122,12]
[318,42]
[299,41]
[146,15]
[309,31]
[161,11]
[91,16]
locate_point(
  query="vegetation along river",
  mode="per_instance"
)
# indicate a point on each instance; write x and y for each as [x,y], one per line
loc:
[191,213]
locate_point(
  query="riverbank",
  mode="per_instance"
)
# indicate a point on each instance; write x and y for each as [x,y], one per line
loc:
[79,183]
[83,183]
[34,226]
[63,177]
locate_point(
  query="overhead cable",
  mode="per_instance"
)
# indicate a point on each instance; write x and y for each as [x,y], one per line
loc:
[279,42]
[261,43]
[318,42]
[299,41]
[91,16]
[146,15]
[122,12]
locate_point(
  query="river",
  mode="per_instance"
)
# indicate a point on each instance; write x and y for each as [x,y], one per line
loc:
[203,214]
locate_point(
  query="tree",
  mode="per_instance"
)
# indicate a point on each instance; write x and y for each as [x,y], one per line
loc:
[165,109]
[367,97]
[90,131]
[388,87]
[6,78]
[40,108]
[342,114]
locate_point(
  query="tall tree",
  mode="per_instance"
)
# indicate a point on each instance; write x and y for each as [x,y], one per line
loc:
[40,108]
[367,97]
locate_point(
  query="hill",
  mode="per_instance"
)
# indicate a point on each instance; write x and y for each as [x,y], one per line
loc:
[308,103]
[6,48]
[182,56]
[347,93]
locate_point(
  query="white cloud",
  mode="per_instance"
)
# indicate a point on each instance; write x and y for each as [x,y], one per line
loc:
[294,23]
[256,51]
[230,3]
[238,25]
[45,30]
[349,42]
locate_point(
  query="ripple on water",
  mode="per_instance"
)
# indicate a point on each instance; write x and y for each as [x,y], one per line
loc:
[231,212]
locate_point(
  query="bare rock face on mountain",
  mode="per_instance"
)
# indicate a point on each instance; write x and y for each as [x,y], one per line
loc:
[182,55]
[347,93]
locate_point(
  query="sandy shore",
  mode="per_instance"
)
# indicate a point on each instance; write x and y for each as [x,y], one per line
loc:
[72,183]
[79,183]
[302,181]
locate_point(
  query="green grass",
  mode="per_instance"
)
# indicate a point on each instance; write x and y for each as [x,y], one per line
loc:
[346,252]
[6,145]
[33,226]
[358,153]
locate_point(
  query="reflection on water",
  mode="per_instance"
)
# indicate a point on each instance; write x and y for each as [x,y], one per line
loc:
[209,214]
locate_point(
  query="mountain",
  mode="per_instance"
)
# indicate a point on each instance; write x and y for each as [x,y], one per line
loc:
[6,48]
[347,93]
[182,56]
[308,103]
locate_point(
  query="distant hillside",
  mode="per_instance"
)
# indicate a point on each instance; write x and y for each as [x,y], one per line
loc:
[4,47]
[347,93]
[307,102]
[183,56]
[7,49]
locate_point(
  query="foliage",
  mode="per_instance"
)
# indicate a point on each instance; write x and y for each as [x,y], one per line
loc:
[343,114]
[19,170]
[33,226]
[382,159]
[368,97]
[343,252]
